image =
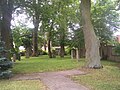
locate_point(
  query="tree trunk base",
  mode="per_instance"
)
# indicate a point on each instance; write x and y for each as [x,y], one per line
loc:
[94,67]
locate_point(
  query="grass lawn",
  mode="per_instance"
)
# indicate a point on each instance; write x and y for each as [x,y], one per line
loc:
[37,64]
[45,64]
[107,78]
[22,85]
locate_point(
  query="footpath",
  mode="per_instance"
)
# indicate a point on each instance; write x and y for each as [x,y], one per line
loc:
[55,80]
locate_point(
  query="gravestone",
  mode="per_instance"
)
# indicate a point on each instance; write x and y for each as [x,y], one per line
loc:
[77,54]
[73,54]
[53,53]
[14,57]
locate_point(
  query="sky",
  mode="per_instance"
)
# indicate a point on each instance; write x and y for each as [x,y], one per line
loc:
[21,19]
[117,33]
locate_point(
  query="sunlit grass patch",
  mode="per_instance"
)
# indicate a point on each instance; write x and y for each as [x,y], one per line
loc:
[107,78]
[45,64]
[21,85]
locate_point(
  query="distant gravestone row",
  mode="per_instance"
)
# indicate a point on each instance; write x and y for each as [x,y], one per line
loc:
[77,53]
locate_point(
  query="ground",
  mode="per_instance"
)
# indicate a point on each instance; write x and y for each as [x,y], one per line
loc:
[103,79]
[55,80]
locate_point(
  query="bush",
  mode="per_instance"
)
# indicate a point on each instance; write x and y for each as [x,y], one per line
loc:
[5,64]
[117,49]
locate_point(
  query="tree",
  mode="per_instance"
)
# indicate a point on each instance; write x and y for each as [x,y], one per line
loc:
[65,15]
[6,14]
[105,20]
[36,21]
[77,41]
[5,63]
[33,10]
[22,36]
[91,41]
[47,18]
[27,44]
[17,32]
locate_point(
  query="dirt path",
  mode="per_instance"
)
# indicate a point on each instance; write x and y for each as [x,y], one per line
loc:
[55,80]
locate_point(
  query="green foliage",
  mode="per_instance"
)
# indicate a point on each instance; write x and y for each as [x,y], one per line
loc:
[5,64]
[59,17]
[22,36]
[17,38]
[105,19]
[77,39]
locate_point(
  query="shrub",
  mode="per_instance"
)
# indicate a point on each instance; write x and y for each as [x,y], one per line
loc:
[5,64]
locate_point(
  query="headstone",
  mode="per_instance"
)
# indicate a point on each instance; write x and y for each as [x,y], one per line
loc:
[53,54]
[18,56]
[77,54]
[73,54]
[14,57]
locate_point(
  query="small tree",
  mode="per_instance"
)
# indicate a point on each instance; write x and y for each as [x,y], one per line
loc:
[5,64]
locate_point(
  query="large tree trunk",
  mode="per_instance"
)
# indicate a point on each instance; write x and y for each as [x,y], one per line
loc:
[91,41]
[6,33]
[35,42]
[35,34]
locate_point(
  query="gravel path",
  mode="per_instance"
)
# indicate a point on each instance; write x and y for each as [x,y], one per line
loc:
[55,80]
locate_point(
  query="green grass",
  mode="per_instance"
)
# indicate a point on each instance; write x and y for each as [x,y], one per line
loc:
[107,78]
[45,64]
[22,85]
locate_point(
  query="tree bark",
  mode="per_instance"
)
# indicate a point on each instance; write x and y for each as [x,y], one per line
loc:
[91,41]
[62,43]
[27,53]
[6,33]
[35,34]
[62,50]
[49,48]
[49,39]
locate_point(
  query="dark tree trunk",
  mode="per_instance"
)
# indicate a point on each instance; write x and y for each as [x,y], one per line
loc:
[35,42]
[6,33]
[62,50]
[49,48]
[27,54]
[35,34]
[91,41]
[62,43]
[49,39]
